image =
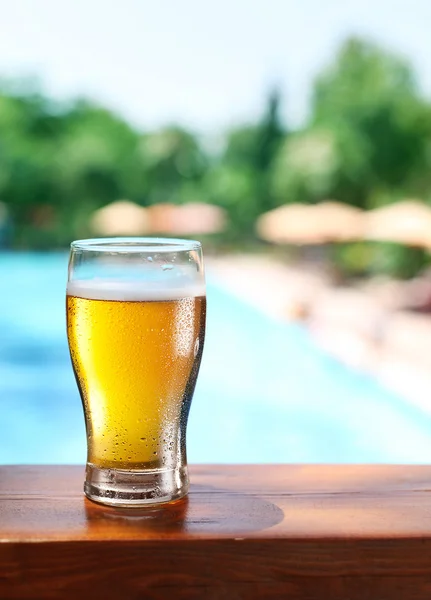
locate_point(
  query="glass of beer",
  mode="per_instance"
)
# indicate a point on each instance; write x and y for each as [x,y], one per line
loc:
[136,324]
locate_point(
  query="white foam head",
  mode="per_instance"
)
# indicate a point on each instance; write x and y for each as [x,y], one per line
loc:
[115,289]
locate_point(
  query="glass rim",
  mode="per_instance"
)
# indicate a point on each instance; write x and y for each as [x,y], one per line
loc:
[135,244]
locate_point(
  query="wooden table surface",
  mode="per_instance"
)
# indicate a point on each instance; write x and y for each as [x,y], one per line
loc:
[345,532]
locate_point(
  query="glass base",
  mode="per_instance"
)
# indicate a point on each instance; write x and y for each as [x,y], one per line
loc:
[134,488]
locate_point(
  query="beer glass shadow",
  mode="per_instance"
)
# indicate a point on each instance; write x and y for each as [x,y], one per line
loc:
[214,509]
[208,509]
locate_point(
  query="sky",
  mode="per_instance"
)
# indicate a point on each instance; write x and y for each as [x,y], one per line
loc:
[207,65]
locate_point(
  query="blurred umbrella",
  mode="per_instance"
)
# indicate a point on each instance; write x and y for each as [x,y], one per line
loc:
[286,224]
[162,217]
[328,221]
[199,218]
[120,218]
[187,219]
[407,222]
[340,222]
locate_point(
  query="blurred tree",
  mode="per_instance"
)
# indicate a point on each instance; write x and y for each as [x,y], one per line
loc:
[306,167]
[367,143]
[173,166]
[59,163]
[372,94]
[28,130]
[96,160]
[239,180]
[369,130]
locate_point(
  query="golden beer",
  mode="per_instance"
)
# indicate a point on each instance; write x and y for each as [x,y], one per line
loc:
[136,364]
[136,312]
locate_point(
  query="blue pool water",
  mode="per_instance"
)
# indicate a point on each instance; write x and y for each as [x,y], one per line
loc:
[265,392]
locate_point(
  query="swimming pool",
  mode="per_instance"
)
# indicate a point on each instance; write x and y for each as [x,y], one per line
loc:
[265,392]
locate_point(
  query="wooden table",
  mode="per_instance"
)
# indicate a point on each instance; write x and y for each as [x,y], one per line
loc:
[297,532]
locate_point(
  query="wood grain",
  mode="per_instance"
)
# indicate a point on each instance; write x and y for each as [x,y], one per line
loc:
[299,532]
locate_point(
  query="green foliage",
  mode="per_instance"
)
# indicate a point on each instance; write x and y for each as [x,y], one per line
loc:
[305,167]
[370,100]
[373,258]
[367,143]
[171,161]
[58,165]
[239,179]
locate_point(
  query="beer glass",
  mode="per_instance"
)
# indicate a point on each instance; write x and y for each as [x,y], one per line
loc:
[136,324]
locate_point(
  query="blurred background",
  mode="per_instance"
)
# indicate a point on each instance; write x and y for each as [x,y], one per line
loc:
[292,139]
